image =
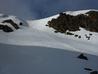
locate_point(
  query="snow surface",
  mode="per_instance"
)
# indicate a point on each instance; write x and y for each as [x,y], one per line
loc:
[41,60]
[74,13]
[38,34]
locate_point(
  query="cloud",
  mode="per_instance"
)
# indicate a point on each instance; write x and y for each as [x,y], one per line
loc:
[45,8]
[19,8]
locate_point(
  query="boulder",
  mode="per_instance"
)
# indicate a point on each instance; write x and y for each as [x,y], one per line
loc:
[82,56]
[7,29]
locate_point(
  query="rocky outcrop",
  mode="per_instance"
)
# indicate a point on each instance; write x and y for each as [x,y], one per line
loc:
[16,26]
[82,56]
[5,28]
[10,23]
[88,69]
[88,21]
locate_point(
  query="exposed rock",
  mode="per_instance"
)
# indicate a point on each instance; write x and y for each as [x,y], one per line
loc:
[12,23]
[1,26]
[82,56]
[7,29]
[72,23]
[46,25]
[79,37]
[21,23]
[88,69]
[88,37]
[69,33]
[76,35]
[90,34]
[56,31]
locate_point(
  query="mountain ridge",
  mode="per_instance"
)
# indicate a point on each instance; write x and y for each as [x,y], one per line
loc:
[36,33]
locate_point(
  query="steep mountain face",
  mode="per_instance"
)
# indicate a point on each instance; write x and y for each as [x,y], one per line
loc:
[73,30]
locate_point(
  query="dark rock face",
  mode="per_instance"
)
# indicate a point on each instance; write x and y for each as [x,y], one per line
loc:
[12,23]
[88,37]
[82,56]
[5,28]
[88,69]
[1,26]
[21,23]
[64,22]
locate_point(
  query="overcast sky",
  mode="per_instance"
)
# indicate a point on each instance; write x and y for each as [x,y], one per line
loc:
[34,9]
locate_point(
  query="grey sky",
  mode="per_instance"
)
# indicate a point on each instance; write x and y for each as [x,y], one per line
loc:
[33,9]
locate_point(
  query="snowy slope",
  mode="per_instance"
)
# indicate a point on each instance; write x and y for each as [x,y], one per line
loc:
[25,50]
[38,34]
[41,60]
